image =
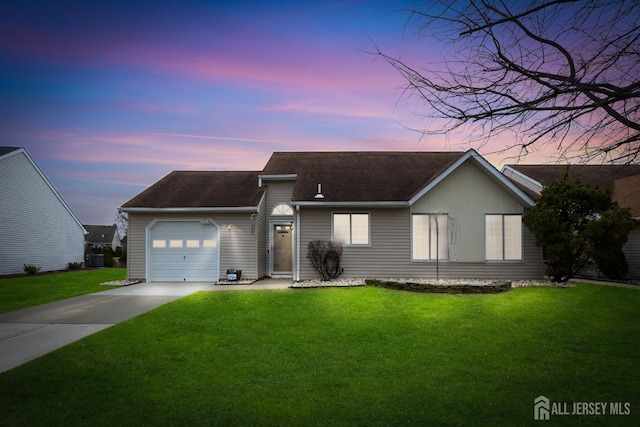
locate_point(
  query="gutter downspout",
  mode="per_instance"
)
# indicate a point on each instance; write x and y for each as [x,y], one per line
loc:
[297,243]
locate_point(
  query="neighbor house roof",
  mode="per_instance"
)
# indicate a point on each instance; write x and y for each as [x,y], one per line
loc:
[622,180]
[100,234]
[200,189]
[7,150]
[626,191]
[367,176]
[600,175]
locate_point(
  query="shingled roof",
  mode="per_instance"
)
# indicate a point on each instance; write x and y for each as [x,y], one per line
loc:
[600,175]
[100,234]
[201,189]
[6,150]
[622,180]
[369,176]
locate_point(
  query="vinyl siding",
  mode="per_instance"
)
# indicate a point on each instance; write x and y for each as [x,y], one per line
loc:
[632,252]
[467,195]
[237,244]
[261,236]
[389,254]
[136,245]
[37,226]
[278,192]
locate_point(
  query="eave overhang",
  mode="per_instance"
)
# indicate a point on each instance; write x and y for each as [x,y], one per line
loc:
[387,204]
[276,177]
[193,210]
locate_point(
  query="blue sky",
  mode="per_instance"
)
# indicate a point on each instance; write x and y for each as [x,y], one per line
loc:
[108,97]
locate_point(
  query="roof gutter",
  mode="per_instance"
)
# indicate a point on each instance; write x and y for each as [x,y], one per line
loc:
[391,204]
[277,177]
[192,210]
[528,182]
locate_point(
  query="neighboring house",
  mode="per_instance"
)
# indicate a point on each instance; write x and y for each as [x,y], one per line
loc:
[38,227]
[102,236]
[622,180]
[397,214]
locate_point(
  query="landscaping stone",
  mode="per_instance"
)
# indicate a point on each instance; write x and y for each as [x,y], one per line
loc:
[461,288]
[236,282]
[429,285]
[336,283]
[121,283]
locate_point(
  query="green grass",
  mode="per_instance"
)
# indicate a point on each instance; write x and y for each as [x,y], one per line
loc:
[357,356]
[26,291]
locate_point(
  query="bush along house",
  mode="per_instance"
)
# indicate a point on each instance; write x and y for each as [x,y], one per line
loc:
[396,214]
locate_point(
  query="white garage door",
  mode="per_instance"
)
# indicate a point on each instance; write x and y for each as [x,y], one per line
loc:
[183,251]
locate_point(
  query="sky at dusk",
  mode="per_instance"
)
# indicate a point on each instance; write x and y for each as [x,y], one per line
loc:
[109,97]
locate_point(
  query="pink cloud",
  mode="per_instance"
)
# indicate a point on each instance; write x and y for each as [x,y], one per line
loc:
[167,151]
[353,106]
[237,59]
[154,107]
[102,176]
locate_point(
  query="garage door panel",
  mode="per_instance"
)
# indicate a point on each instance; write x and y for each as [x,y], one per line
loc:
[183,251]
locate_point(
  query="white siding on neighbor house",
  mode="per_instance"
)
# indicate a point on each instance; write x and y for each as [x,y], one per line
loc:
[238,241]
[37,227]
[632,252]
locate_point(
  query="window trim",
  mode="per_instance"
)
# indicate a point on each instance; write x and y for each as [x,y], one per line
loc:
[351,213]
[279,205]
[503,259]
[429,260]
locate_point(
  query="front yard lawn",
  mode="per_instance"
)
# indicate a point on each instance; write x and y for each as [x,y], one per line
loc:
[350,356]
[26,291]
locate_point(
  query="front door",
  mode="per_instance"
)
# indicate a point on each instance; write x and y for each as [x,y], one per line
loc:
[282,249]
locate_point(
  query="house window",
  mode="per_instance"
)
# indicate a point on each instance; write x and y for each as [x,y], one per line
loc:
[430,237]
[503,234]
[282,209]
[351,228]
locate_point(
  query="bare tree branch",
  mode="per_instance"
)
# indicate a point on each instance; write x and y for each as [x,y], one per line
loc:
[564,73]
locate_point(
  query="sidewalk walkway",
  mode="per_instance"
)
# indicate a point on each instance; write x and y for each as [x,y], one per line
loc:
[605,283]
[262,284]
[31,332]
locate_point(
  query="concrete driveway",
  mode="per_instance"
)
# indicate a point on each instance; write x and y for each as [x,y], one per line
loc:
[32,332]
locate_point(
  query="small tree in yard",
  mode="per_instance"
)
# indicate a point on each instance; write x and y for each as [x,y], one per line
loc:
[576,223]
[325,258]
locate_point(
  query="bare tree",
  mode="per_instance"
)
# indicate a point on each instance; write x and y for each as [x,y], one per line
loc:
[560,72]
